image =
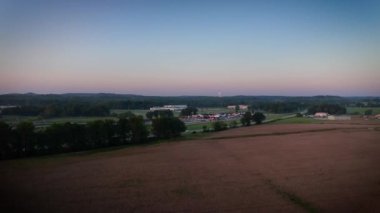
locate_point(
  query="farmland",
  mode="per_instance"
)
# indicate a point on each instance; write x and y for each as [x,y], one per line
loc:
[272,167]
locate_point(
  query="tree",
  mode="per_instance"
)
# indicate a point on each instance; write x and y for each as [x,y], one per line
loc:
[233,124]
[139,132]
[149,115]
[124,130]
[368,112]
[25,132]
[237,108]
[258,117]
[333,109]
[167,127]
[246,119]
[127,114]
[219,126]
[159,114]
[205,128]
[97,133]
[5,140]
[165,113]
[76,135]
[189,111]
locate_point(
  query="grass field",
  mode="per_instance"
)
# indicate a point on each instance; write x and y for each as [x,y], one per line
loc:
[134,111]
[267,168]
[361,110]
[14,119]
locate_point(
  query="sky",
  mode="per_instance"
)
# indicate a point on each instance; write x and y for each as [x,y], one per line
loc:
[169,48]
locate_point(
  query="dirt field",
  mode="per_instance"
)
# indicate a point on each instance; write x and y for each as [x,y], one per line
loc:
[269,168]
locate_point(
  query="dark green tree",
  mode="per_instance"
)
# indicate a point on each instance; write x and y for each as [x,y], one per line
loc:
[139,132]
[149,115]
[97,134]
[233,124]
[368,112]
[246,119]
[219,126]
[25,133]
[127,114]
[159,114]
[124,130]
[258,117]
[5,140]
[55,137]
[167,127]
[189,111]
[165,113]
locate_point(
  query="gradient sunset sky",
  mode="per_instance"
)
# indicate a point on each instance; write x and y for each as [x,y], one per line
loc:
[154,47]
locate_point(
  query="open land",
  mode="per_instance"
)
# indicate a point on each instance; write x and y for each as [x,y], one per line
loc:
[327,166]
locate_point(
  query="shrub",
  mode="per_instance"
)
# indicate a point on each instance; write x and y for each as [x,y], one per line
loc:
[233,124]
[219,126]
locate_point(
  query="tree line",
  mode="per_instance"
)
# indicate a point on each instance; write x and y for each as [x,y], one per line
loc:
[56,110]
[248,117]
[275,104]
[333,109]
[25,140]
[164,124]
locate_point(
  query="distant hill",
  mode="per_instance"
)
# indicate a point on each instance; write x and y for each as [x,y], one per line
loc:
[140,101]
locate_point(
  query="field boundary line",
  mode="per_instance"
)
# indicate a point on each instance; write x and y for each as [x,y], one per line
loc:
[281,133]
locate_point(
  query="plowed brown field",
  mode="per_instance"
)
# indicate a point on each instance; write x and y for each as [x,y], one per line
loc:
[268,168]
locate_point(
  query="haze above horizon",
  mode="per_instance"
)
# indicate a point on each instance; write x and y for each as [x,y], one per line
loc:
[171,48]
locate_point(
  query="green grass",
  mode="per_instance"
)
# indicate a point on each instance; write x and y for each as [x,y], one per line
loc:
[272,116]
[199,126]
[14,119]
[134,111]
[361,110]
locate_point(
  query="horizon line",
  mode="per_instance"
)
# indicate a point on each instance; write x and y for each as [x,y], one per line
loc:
[131,94]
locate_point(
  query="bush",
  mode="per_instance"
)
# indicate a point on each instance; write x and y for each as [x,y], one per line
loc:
[219,126]
[233,124]
[368,112]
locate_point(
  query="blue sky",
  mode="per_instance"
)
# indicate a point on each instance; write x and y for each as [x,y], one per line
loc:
[191,47]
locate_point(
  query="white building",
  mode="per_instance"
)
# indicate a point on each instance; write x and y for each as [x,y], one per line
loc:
[321,115]
[339,117]
[241,107]
[232,107]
